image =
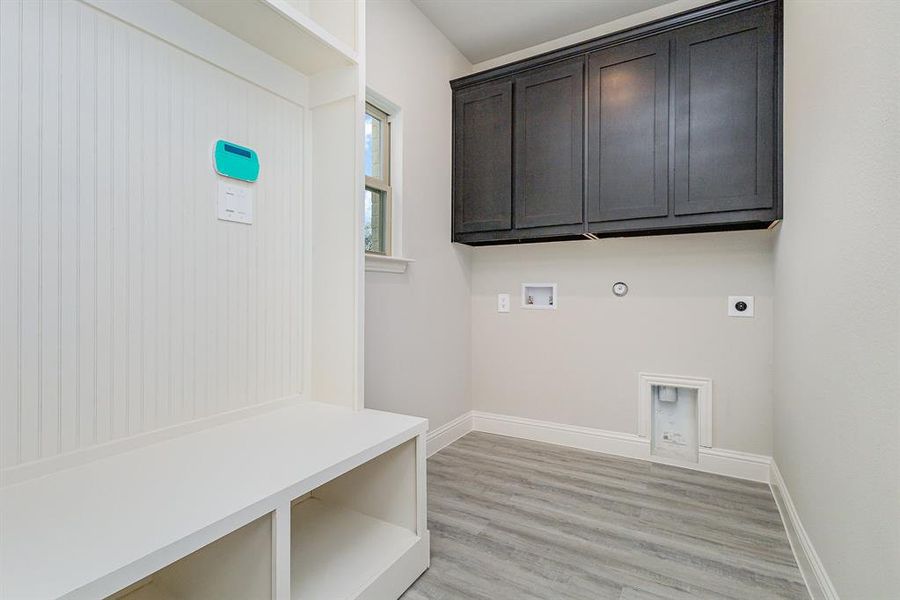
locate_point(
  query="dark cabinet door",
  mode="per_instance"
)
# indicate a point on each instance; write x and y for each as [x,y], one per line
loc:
[628,131]
[549,143]
[482,158]
[724,108]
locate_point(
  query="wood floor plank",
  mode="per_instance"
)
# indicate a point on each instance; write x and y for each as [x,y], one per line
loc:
[515,519]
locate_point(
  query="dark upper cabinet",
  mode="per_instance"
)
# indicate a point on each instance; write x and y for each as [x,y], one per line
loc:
[482,158]
[628,131]
[669,127]
[549,140]
[724,114]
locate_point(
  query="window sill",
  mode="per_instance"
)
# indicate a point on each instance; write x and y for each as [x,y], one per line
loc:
[387,264]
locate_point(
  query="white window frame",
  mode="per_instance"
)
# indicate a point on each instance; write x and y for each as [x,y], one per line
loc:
[382,184]
[394,261]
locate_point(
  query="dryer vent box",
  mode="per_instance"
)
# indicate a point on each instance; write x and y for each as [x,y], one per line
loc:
[675,412]
[674,427]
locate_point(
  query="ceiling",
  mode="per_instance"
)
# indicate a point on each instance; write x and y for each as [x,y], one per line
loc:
[486,29]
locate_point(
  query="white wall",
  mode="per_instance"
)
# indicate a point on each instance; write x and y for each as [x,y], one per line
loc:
[579,364]
[639,18]
[837,262]
[418,323]
[125,305]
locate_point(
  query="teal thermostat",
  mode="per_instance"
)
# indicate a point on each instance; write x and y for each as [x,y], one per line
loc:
[236,161]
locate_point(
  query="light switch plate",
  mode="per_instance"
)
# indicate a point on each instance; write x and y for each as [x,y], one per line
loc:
[503,303]
[235,202]
[735,303]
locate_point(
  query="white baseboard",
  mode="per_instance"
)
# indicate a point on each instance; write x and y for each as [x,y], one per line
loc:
[573,436]
[811,567]
[448,433]
[741,465]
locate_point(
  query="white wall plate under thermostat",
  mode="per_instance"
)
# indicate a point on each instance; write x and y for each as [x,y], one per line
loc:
[235,202]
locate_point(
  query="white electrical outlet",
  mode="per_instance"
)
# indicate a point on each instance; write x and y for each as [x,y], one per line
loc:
[503,303]
[740,306]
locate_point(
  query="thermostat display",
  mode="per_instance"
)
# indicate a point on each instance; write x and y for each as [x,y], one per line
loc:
[237,162]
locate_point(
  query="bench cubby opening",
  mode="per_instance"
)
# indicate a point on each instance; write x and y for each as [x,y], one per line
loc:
[347,533]
[237,566]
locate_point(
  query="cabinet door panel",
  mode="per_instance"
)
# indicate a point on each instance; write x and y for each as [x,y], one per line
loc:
[724,127]
[628,131]
[482,158]
[549,144]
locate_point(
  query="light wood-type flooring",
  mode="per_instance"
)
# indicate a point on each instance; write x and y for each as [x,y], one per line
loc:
[521,520]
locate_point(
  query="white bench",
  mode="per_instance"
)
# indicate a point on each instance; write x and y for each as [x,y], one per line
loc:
[307,501]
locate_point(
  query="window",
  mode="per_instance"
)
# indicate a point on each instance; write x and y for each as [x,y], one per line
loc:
[377,148]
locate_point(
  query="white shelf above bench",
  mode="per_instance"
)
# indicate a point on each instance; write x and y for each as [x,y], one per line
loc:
[92,530]
[278,29]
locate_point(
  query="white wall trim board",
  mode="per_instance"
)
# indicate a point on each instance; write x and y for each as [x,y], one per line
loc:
[39,468]
[719,461]
[573,436]
[731,463]
[446,434]
[359,250]
[817,581]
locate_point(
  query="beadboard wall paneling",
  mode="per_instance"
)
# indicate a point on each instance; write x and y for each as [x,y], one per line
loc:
[125,305]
